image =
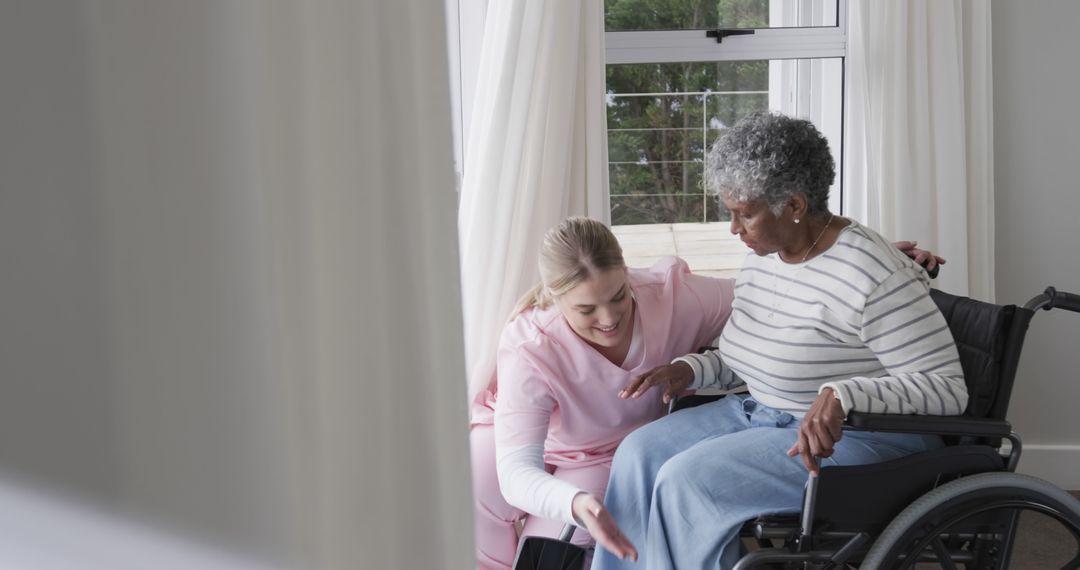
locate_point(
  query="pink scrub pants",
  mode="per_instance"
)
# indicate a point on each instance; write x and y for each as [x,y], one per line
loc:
[496,521]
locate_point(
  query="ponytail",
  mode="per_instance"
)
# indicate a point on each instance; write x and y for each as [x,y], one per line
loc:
[535,297]
[573,251]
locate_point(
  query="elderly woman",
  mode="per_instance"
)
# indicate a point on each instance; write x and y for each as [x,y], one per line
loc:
[827,318]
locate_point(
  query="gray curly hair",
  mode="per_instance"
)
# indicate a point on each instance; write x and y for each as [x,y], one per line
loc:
[769,156]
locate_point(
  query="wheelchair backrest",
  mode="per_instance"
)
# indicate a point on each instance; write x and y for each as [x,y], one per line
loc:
[989,338]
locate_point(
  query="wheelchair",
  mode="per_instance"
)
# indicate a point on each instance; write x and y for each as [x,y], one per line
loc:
[954,507]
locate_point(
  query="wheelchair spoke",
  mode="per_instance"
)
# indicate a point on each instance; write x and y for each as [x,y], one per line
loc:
[933,531]
[972,523]
[943,554]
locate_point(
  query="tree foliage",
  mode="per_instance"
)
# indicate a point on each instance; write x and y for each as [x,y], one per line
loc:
[657,142]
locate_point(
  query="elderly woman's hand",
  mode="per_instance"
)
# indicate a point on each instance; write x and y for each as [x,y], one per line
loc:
[589,511]
[676,377]
[820,430]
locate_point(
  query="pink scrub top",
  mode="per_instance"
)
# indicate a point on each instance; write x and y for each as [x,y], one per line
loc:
[552,387]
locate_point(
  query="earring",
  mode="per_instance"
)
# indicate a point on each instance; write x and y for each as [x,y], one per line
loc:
[796,220]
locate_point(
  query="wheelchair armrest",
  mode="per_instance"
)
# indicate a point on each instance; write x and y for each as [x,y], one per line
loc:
[691,400]
[935,425]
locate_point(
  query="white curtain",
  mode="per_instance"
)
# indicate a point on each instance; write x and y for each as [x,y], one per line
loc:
[920,133]
[235,306]
[537,153]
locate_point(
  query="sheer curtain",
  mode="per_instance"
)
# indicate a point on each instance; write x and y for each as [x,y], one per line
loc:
[234,306]
[920,132]
[537,153]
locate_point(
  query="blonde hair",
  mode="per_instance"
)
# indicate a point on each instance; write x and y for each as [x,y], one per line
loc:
[573,251]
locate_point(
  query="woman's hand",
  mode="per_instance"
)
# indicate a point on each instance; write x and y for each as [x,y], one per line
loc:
[820,430]
[921,256]
[676,377]
[589,511]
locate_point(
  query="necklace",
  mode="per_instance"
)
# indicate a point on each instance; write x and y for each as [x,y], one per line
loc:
[791,280]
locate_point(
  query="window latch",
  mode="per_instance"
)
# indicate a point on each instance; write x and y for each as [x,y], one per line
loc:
[721,34]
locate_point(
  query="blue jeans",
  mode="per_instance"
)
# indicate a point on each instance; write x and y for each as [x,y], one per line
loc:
[682,486]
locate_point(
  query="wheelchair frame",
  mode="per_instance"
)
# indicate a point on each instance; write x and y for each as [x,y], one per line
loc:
[959,504]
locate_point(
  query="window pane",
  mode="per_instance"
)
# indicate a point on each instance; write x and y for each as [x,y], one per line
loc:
[632,15]
[663,117]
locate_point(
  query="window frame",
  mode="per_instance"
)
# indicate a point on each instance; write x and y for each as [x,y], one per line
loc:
[693,46]
[672,46]
[465,27]
[791,50]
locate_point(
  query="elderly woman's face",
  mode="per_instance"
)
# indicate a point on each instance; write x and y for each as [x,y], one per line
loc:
[755,225]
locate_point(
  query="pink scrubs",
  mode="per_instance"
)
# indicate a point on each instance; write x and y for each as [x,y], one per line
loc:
[554,389]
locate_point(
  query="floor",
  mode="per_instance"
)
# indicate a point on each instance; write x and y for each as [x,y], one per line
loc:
[1041,543]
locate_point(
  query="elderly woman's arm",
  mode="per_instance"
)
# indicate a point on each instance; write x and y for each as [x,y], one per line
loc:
[906,331]
[910,337]
[709,371]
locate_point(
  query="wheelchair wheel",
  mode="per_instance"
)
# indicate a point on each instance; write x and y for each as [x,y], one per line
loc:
[970,523]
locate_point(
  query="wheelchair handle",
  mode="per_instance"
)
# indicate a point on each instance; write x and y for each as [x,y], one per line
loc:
[932,273]
[1051,298]
[809,503]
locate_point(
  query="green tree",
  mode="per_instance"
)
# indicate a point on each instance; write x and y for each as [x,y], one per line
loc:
[657,142]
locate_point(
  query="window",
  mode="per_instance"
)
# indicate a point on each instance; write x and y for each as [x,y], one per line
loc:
[678,73]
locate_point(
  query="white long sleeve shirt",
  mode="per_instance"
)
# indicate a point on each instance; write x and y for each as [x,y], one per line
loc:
[858,319]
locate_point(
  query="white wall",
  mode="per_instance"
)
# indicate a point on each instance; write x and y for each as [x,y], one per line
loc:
[1037,202]
[228,274]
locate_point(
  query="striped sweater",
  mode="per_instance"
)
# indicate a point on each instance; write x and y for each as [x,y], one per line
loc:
[858,319]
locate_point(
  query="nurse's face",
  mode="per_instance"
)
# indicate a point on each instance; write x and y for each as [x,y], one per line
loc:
[599,309]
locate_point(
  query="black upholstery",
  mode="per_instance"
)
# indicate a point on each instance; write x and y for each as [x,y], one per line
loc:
[978,329]
[988,338]
[866,497]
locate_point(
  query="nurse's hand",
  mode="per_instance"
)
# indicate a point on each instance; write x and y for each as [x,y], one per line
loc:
[923,257]
[590,512]
[674,378]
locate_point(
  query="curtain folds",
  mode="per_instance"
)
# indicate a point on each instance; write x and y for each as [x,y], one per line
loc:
[920,131]
[270,187]
[537,153]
